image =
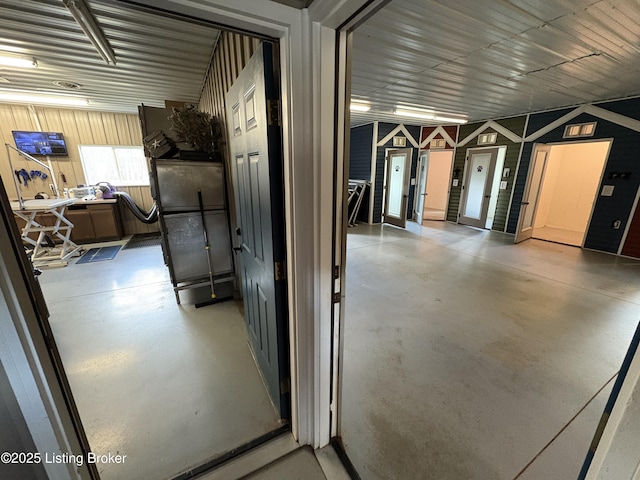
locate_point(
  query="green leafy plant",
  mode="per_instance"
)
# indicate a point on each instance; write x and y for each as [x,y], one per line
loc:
[198,129]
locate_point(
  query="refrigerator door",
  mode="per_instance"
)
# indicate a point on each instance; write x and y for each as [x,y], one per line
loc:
[178,182]
[186,245]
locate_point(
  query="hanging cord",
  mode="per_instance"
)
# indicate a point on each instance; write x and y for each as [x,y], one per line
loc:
[145,217]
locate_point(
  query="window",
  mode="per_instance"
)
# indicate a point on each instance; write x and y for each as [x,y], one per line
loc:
[487,138]
[580,130]
[399,142]
[121,166]
[438,143]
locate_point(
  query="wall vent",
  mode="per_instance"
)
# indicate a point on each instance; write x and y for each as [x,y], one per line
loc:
[580,130]
[487,138]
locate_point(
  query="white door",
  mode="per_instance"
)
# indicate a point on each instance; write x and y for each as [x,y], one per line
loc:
[531,193]
[477,187]
[421,191]
[397,188]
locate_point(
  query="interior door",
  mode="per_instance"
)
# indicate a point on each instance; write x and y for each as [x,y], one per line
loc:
[477,186]
[397,187]
[421,191]
[256,160]
[531,193]
[437,184]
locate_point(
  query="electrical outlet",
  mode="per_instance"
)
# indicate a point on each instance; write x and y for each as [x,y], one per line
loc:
[51,187]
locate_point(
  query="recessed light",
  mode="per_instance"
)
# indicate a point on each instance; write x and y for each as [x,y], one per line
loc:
[67,85]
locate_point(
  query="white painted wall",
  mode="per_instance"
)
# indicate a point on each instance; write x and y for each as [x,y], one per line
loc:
[570,185]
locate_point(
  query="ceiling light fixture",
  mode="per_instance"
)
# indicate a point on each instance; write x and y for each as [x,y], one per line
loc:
[17,61]
[67,85]
[359,107]
[90,27]
[42,99]
[427,115]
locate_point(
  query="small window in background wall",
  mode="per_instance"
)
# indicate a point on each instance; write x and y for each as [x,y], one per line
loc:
[121,166]
[487,138]
[399,142]
[580,130]
[438,143]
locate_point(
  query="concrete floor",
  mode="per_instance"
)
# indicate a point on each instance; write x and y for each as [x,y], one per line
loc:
[467,356]
[559,235]
[299,465]
[168,385]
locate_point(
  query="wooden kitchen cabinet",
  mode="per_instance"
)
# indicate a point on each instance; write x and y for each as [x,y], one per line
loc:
[96,221]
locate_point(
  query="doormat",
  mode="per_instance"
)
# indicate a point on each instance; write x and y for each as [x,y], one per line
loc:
[99,254]
[143,240]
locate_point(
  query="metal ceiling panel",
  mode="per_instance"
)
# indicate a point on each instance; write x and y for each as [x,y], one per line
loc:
[158,58]
[482,58]
[495,58]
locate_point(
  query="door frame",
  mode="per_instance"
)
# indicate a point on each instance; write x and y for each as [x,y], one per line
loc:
[451,166]
[314,47]
[487,185]
[536,147]
[31,357]
[521,234]
[420,193]
[406,184]
[636,202]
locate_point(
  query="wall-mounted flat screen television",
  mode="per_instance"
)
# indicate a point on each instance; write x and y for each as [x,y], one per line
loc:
[41,143]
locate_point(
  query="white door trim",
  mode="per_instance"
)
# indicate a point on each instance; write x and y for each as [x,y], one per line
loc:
[307,55]
[421,189]
[308,64]
[25,358]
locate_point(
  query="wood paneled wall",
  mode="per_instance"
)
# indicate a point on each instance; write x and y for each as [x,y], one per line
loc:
[513,124]
[230,55]
[79,127]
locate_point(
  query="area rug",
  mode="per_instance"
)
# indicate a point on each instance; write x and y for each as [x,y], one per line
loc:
[99,254]
[143,240]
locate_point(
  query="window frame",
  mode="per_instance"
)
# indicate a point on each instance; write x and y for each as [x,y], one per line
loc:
[144,182]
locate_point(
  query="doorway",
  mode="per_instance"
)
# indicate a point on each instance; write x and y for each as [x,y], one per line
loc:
[144,369]
[561,191]
[398,169]
[477,186]
[433,185]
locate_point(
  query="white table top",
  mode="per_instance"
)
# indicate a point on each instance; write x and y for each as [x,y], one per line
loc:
[42,205]
[50,203]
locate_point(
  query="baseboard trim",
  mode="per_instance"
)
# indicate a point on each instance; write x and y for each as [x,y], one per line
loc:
[336,443]
[239,459]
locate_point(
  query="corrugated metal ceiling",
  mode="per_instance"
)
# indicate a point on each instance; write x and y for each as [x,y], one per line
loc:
[158,58]
[481,58]
[490,59]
